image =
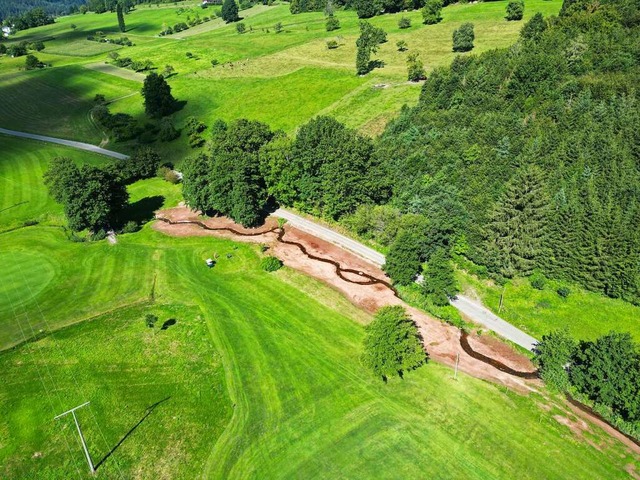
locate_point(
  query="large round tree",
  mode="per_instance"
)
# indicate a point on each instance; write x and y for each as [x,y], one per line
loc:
[158,101]
[230,11]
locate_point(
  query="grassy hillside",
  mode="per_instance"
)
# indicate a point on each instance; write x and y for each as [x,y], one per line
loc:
[23,196]
[283,79]
[587,315]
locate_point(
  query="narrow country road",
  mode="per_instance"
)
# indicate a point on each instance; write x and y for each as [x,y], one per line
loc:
[473,310]
[68,143]
[329,235]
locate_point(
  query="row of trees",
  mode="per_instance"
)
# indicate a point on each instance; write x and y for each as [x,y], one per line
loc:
[36,17]
[326,170]
[606,370]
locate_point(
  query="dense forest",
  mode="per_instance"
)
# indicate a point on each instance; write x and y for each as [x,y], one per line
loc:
[13,8]
[524,160]
[536,151]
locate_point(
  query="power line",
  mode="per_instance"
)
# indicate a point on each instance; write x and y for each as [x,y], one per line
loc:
[75,381]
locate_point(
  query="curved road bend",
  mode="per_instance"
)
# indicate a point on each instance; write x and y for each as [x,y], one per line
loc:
[471,309]
[67,143]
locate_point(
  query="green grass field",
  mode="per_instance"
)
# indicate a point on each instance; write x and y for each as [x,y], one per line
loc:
[260,372]
[282,79]
[586,314]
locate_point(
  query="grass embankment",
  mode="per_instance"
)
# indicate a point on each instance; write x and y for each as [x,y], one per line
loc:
[282,79]
[586,314]
[262,371]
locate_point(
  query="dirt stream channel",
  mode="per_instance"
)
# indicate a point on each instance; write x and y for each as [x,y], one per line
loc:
[367,287]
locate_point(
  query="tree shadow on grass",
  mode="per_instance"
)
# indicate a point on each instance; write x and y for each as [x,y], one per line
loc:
[143,210]
[149,411]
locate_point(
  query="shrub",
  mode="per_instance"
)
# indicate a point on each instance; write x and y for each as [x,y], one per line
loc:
[432,12]
[37,46]
[404,22]
[332,44]
[537,280]
[98,235]
[278,28]
[563,291]
[32,62]
[402,46]
[196,141]
[515,10]
[271,264]
[332,23]
[130,227]
[215,62]
[167,131]
[150,320]
[189,55]
[241,28]
[463,38]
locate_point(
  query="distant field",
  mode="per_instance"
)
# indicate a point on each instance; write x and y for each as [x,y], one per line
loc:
[586,314]
[282,79]
[57,101]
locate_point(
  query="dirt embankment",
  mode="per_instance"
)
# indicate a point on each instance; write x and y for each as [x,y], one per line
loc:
[363,284]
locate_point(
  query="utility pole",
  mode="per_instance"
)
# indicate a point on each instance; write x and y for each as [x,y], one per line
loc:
[84,445]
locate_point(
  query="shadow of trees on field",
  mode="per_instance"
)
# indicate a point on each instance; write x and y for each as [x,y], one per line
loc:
[148,412]
[143,210]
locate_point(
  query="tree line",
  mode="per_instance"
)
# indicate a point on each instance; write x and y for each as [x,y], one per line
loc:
[604,371]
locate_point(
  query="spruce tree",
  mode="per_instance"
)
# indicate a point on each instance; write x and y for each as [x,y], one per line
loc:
[120,14]
[230,11]
[517,231]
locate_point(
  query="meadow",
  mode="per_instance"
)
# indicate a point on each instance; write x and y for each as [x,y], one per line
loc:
[585,314]
[283,79]
[256,376]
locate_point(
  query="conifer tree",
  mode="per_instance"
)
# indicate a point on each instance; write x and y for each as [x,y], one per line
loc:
[158,101]
[517,231]
[120,14]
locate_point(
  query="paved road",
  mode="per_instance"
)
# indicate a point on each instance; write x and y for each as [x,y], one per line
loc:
[68,143]
[331,236]
[475,311]
[482,315]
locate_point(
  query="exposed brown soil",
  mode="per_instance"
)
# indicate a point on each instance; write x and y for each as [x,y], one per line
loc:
[366,286]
